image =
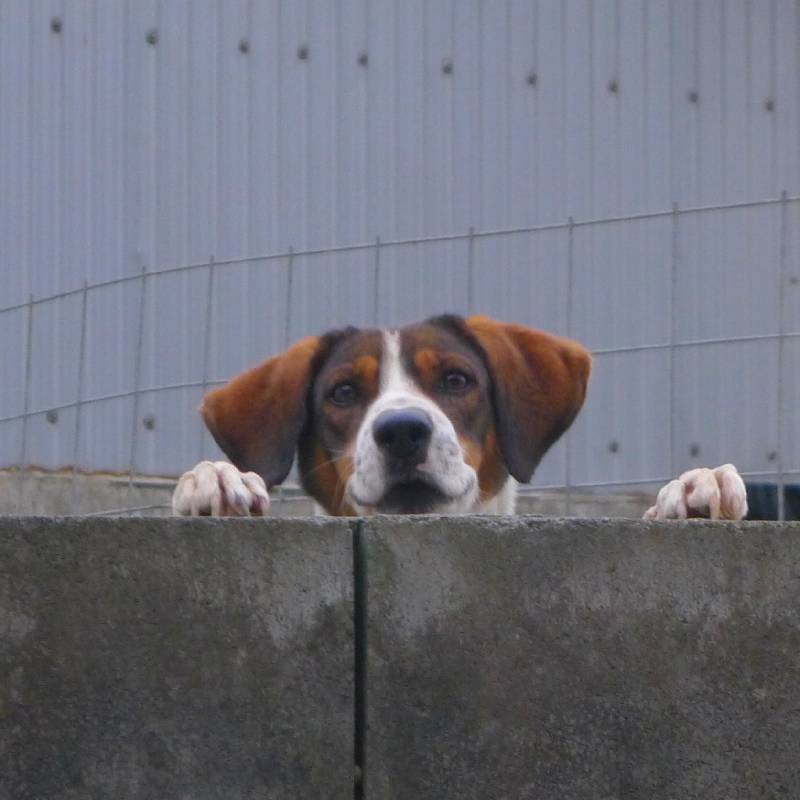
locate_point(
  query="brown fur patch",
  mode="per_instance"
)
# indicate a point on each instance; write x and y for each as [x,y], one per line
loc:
[539,383]
[325,453]
[367,371]
[426,362]
[257,417]
[326,481]
[493,473]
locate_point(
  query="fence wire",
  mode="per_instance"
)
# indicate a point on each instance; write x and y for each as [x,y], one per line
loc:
[377,246]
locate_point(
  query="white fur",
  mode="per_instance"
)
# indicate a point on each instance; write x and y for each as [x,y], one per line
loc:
[218,489]
[670,503]
[504,502]
[717,494]
[733,494]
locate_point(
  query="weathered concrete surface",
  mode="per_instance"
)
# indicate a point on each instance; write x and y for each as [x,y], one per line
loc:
[189,659]
[587,660]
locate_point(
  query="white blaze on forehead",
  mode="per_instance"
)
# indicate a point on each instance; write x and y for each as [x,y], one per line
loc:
[394,378]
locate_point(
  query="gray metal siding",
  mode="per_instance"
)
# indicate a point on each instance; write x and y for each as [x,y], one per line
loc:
[217,142]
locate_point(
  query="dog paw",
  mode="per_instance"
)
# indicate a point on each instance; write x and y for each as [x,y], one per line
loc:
[702,493]
[218,489]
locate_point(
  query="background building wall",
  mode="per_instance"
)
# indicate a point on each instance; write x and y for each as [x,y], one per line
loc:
[188,185]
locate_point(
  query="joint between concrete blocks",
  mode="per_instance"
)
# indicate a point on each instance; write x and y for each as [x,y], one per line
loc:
[360,653]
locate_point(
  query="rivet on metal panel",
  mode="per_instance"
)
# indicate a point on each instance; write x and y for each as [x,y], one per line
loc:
[769,104]
[152,36]
[244,45]
[694,96]
[447,66]
[302,52]
[363,58]
[56,25]
[613,446]
[772,456]
[694,450]
[794,280]
[532,79]
[51,417]
[149,422]
[613,86]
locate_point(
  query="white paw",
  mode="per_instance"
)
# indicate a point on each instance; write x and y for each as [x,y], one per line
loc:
[218,489]
[712,493]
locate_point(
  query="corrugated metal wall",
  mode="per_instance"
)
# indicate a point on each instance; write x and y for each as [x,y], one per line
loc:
[141,136]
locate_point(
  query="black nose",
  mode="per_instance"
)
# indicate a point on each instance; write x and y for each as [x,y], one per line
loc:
[403,435]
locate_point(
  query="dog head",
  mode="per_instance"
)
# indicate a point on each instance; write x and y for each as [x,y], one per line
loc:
[431,418]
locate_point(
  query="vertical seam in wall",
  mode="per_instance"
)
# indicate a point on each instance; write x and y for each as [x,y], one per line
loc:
[360,662]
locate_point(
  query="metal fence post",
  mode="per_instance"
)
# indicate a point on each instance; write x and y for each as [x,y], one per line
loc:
[673,289]
[206,345]
[137,376]
[376,281]
[79,397]
[26,398]
[782,283]
[471,270]
[287,333]
[570,301]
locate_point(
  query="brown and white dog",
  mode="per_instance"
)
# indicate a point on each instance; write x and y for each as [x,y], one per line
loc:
[445,416]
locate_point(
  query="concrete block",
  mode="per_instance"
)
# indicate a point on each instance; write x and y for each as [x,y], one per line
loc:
[588,660]
[161,659]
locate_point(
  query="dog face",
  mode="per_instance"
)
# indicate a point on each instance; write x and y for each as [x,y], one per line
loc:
[431,418]
[409,415]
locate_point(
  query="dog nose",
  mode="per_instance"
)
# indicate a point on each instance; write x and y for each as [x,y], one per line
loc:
[403,435]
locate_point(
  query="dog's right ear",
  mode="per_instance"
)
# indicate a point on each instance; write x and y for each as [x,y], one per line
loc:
[257,418]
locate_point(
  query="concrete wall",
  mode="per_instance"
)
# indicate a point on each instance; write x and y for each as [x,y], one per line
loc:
[451,658]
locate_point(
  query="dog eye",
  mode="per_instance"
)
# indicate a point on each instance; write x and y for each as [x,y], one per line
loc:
[455,381]
[343,395]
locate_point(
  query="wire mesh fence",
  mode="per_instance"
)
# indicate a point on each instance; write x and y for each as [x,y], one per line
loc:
[782,335]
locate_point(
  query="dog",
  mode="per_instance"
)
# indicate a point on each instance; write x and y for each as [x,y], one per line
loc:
[443,417]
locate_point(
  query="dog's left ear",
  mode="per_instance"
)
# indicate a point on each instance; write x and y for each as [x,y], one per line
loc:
[539,385]
[257,418]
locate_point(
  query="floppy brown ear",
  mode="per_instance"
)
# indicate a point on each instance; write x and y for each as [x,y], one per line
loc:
[257,418]
[539,385]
